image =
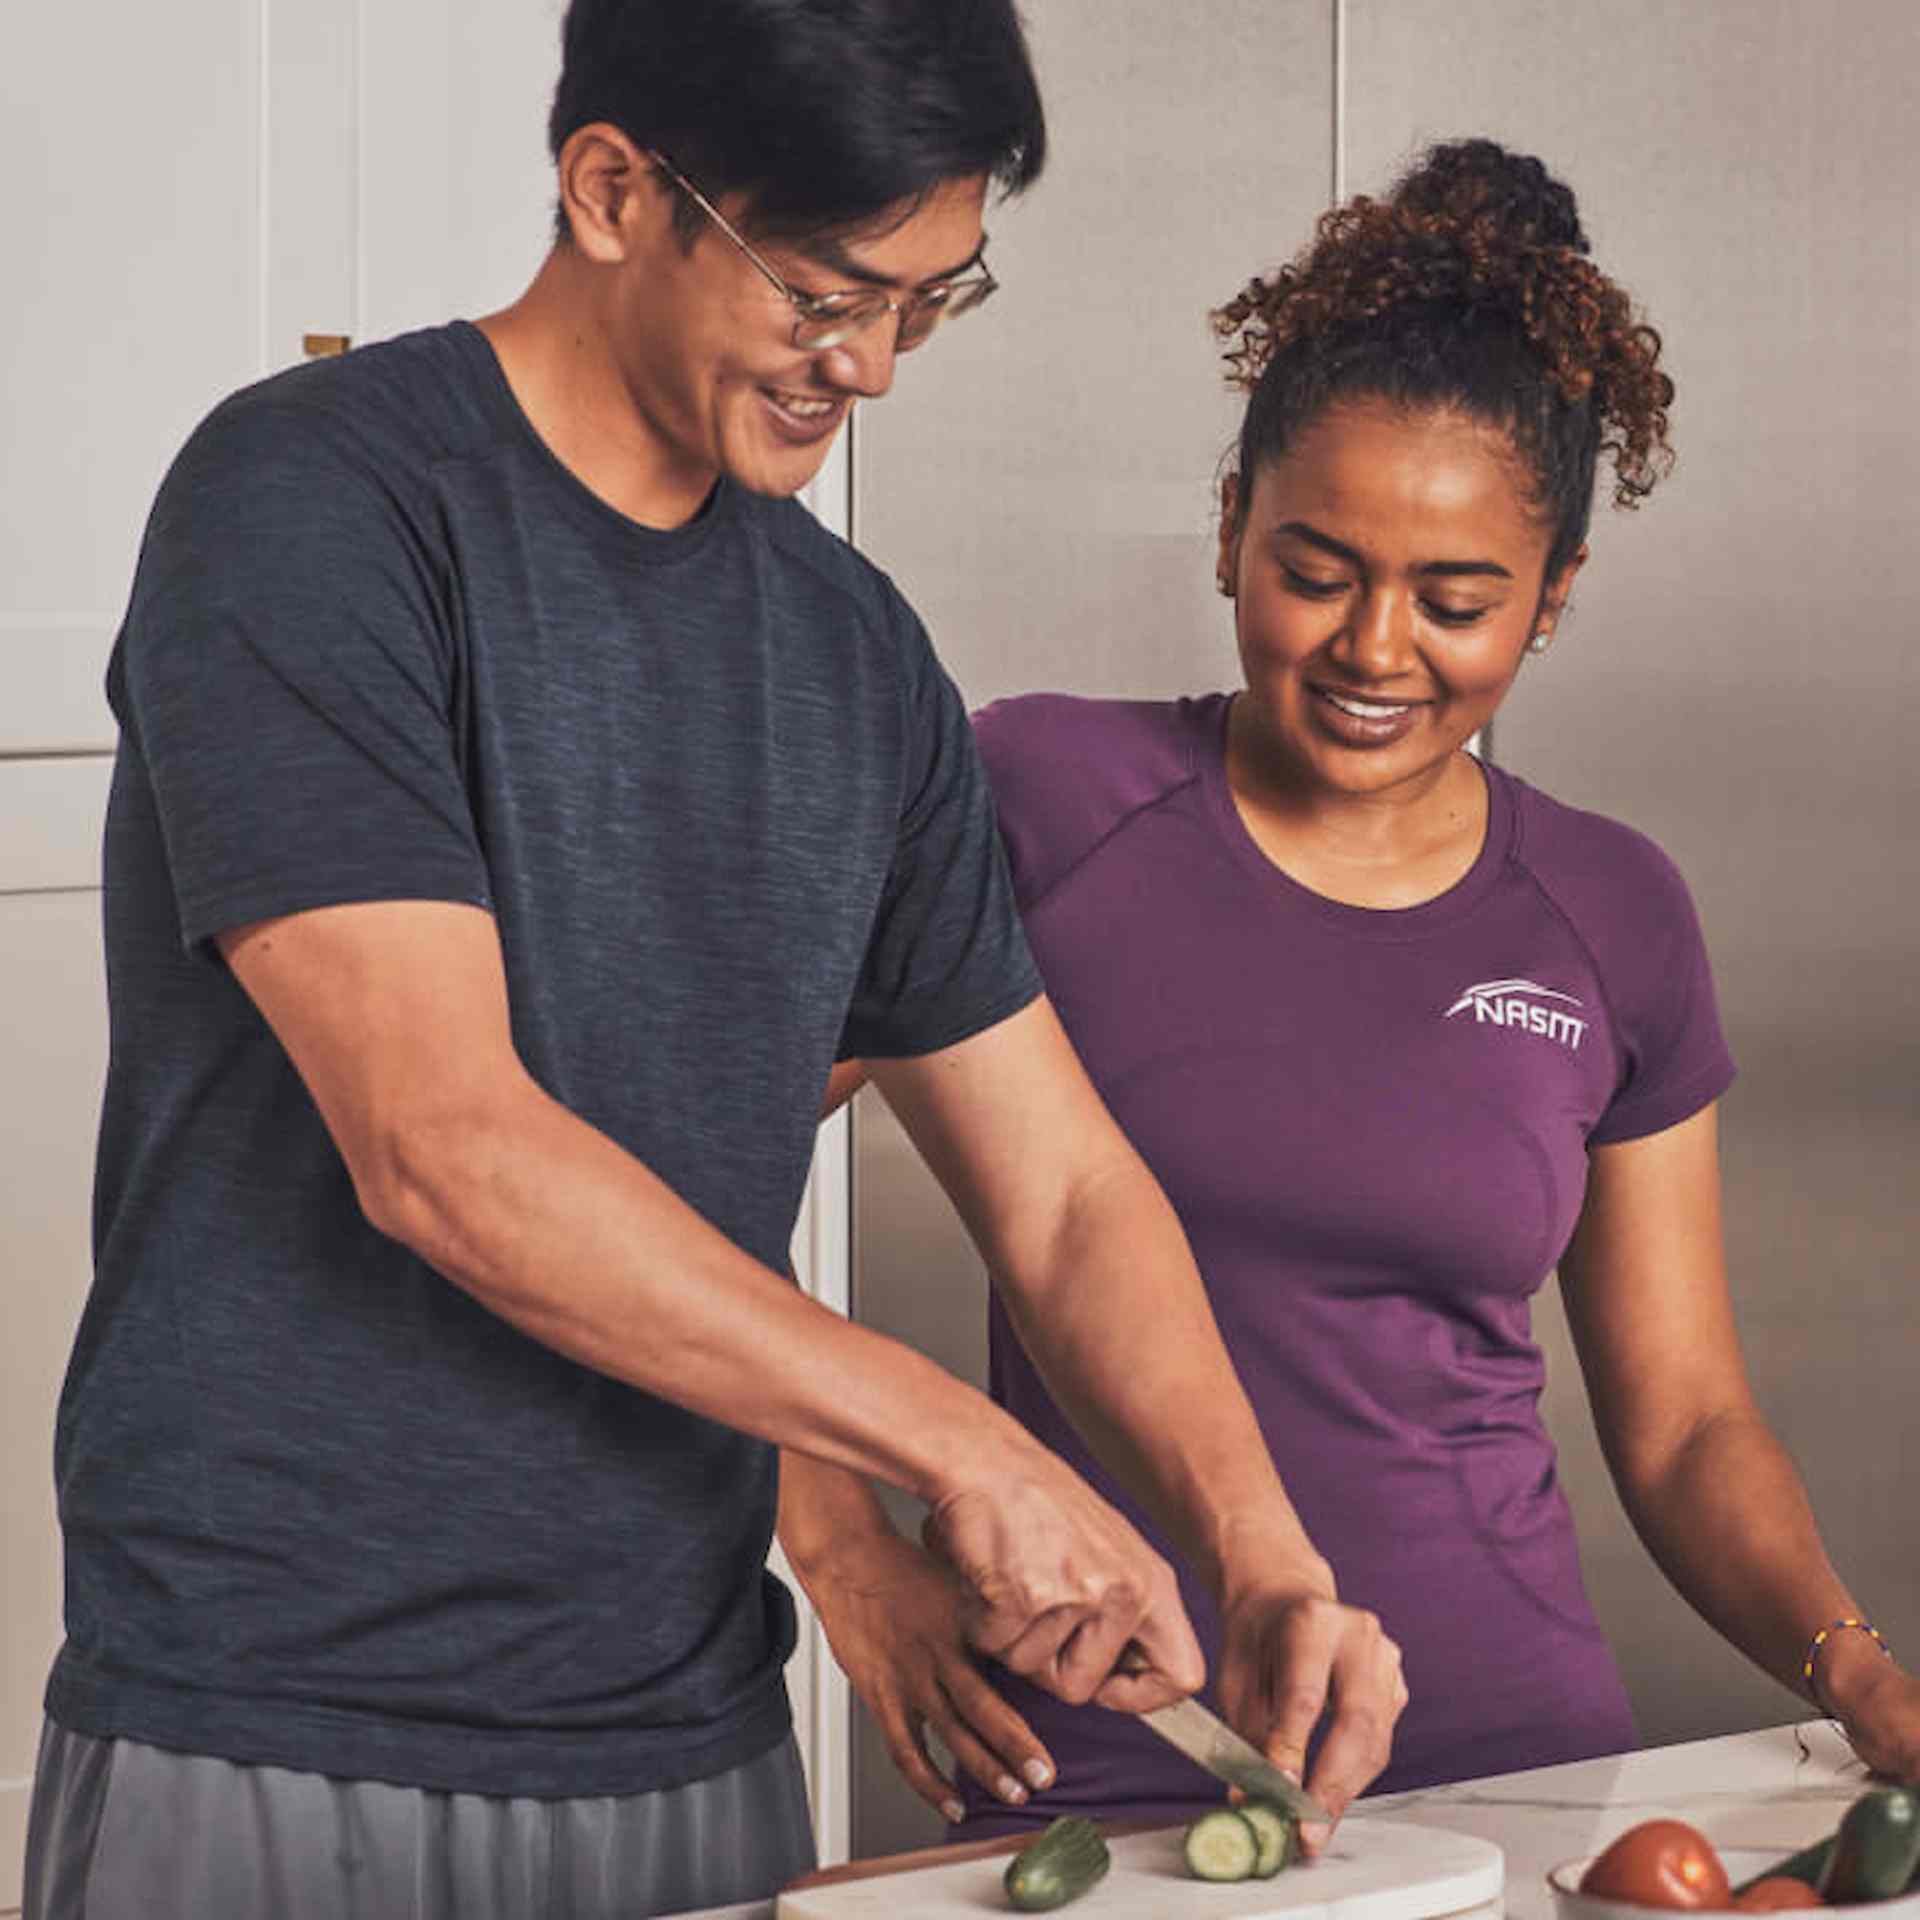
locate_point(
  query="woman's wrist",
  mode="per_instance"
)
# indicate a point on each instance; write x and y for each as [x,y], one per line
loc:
[1845,1660]
[1283,1562]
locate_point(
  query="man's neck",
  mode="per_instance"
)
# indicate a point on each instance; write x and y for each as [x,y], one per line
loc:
[553,352]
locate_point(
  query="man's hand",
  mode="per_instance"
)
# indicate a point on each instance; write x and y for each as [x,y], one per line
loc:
[1293,1654]
[1058,1586]
[893,1616]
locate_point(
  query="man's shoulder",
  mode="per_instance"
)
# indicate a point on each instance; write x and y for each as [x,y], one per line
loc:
[813,552]
[388,412]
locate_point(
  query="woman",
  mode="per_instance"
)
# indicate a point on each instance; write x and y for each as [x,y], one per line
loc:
[1399,1034]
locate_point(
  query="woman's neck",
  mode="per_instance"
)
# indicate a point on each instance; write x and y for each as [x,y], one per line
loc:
[1396,848]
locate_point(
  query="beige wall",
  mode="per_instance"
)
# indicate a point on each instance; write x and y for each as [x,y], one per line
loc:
[1741,677]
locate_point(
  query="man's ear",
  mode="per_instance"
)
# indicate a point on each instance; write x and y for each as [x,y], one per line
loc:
[603,177]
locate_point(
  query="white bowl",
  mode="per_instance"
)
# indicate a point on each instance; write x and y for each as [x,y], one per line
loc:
[1741,1863]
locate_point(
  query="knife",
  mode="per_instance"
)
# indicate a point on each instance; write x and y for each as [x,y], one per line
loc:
[1206,1738]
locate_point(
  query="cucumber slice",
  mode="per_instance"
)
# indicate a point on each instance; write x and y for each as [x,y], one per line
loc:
[1278,1834]
[1222,1845]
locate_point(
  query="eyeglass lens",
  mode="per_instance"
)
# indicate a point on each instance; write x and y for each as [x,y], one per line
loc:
[919,316]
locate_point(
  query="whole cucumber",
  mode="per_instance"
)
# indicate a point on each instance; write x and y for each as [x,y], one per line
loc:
[1876,1850]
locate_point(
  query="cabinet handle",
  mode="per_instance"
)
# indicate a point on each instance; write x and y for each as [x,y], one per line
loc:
[324,346]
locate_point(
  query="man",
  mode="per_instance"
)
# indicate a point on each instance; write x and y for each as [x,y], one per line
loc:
[521,804]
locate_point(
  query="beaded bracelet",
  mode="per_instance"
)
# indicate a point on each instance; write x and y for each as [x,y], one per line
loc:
[1821,1638]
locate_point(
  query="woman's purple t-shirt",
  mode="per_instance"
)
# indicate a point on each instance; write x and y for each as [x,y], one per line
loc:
[1374,1126]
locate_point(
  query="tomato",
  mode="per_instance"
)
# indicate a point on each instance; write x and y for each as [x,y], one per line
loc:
[1660,1863]
[1775,1893]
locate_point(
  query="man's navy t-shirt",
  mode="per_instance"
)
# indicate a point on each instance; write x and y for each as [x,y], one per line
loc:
[323,1510]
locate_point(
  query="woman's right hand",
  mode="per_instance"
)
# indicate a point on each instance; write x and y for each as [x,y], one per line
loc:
[894,1617]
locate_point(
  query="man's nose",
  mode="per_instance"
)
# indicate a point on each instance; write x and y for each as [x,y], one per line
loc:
[864,364]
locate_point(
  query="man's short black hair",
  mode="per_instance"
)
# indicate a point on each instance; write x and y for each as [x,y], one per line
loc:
[824,113]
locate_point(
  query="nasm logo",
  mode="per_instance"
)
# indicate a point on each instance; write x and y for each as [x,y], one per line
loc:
[1525,1005]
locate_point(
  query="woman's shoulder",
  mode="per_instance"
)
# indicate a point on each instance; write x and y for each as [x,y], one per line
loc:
[1068,770]
[1573,843]
[1615,881]
[1133,747]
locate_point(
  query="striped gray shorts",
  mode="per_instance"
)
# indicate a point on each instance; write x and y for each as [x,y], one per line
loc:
[121,1831]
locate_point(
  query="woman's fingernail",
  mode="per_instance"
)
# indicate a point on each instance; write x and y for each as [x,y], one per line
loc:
[1008,1788]
[954,1812]
[1038,1773]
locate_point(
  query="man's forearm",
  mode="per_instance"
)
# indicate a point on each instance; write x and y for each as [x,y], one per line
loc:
[554,1227]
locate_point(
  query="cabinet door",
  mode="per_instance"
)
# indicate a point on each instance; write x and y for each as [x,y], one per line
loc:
[131,197]
[52,1058]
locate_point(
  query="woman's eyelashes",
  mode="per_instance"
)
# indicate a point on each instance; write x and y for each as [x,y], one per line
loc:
[1312,587]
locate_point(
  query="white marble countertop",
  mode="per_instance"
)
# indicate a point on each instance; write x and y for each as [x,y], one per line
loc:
[1777,1789]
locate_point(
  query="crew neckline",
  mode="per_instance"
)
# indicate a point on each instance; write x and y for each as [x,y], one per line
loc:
[1445,909]
[652,545]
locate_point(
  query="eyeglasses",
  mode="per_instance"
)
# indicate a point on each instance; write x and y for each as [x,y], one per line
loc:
[822,320]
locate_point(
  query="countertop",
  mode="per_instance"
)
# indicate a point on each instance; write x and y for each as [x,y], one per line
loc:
[1779,1788]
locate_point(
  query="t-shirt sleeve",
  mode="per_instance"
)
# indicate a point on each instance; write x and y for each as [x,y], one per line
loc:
[287,674]
[947,958]
[1674,1056]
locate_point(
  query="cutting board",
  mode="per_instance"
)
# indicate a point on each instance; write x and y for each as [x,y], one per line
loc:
[1374,1870]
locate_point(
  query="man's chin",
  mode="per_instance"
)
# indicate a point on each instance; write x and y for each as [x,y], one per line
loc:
[779,472]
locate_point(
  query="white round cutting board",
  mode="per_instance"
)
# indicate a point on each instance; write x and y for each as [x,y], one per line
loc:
[1374,1870]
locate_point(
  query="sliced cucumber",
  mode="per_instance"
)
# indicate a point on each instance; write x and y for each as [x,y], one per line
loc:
[1278,1833]
[1222,1845]
[1067,1859]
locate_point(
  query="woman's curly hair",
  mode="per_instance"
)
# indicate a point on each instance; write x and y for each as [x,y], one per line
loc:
[1469,288]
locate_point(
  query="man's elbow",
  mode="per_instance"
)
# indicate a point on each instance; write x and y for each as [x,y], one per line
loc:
[425,1179]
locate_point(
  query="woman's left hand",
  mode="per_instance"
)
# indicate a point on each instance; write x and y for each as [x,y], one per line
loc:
[1293,1654]
[1878,1706]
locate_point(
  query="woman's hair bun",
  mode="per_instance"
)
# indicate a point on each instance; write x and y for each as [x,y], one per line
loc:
[1479,185]
[1470,286]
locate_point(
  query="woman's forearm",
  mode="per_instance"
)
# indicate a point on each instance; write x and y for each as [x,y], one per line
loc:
[1728,1520]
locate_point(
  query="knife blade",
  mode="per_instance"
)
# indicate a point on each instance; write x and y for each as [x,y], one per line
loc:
[1207,1739]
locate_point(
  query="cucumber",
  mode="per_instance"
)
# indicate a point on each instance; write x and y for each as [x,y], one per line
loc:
[1222,1845]
[1807,1865]
[1278,1833]
[1067,1859]
[1876,1850]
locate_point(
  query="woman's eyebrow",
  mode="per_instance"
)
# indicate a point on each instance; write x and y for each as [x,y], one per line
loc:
[1339,550]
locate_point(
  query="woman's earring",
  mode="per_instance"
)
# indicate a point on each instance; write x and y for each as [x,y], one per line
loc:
[1541,641]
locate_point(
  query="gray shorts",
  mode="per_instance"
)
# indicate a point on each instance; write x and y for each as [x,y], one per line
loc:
[121,1831]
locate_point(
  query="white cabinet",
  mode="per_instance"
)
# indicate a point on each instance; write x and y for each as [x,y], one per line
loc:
[52,1058]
